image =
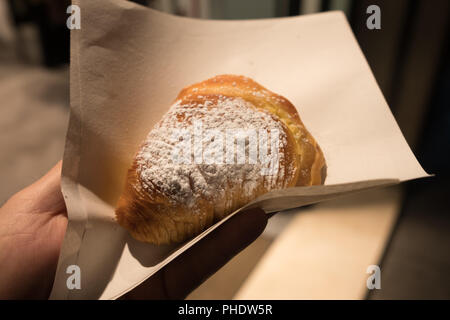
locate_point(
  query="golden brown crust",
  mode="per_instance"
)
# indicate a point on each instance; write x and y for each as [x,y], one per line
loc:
[150,215]
[311,159]
[156,221]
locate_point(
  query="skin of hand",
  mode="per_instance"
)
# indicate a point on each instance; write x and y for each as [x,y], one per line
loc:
[32,227]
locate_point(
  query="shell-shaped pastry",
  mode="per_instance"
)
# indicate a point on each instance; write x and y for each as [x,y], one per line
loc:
[224,142]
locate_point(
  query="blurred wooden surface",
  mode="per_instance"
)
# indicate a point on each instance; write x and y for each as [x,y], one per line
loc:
[325,251]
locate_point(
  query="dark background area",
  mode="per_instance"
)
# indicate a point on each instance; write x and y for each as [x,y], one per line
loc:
[410,59]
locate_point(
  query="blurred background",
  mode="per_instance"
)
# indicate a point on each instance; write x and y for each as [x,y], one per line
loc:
[308,253]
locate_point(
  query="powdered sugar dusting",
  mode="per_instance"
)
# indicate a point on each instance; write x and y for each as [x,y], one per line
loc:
[193,180]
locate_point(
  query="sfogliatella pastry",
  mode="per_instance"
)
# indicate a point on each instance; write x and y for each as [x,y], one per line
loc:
[224,142]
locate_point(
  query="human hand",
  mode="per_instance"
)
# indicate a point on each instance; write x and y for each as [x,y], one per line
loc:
[32,227]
